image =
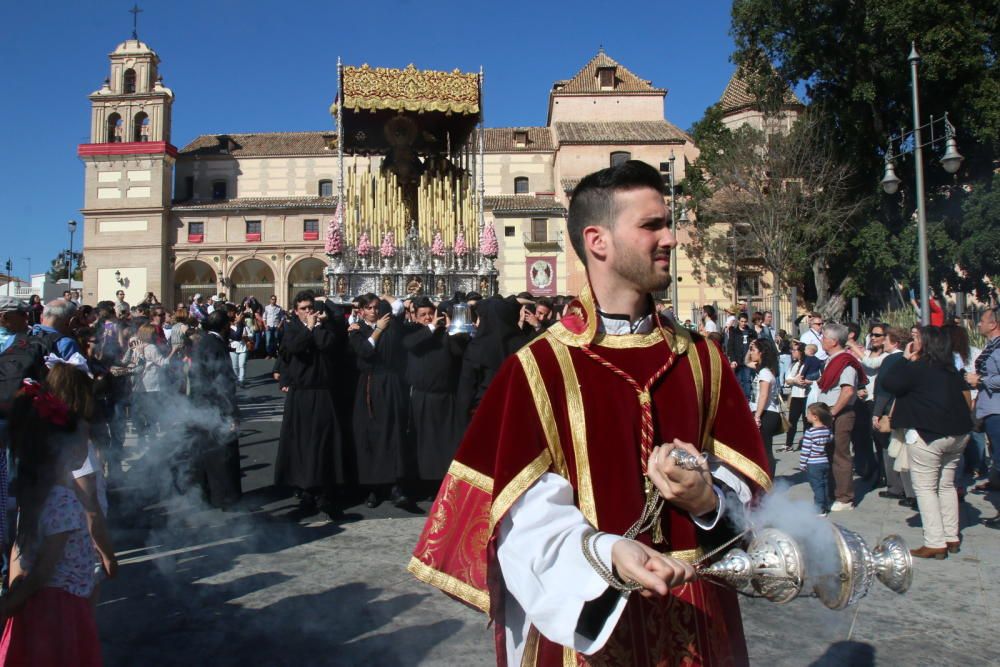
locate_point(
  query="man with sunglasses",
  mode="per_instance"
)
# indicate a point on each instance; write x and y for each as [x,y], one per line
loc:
[814,336]
[870,462]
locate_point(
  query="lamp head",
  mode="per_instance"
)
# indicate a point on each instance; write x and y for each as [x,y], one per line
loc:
[951,161]
[72,225]
[890,182]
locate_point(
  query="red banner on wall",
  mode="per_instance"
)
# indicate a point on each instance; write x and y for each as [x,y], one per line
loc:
[540,275]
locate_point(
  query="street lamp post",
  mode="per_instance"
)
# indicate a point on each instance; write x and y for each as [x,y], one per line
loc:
[69,272]
[674,299]
[950,161]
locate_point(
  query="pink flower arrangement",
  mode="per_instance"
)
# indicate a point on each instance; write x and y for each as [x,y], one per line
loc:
[461,248]
[488,245]
[437,245]
[388,248]
[364,245]
[334,240]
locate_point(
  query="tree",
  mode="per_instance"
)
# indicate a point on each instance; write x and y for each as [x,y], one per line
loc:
[979,250]
[58,269]
[850,57]
[783,193]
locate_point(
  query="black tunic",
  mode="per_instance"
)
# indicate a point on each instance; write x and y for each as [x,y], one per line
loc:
[310,448]
[214,456]
[433,365]
[381,406]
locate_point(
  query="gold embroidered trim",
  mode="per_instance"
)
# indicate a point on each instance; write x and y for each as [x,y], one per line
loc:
[543,405]
[585,308]
[694,359]
[517,486]
[744,465]
[449,584]
[530,656]
[578,427]
[715,367]
[470,476]
[569,657]
[626,341]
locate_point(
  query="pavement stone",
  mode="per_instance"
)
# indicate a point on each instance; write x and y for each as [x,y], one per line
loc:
[265,586]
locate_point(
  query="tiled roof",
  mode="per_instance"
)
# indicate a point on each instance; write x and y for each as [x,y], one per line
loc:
[569,184]
[521,205]
[501,140]
[585,80]
[737,95]
[620,132]
[263,144]
[257,204]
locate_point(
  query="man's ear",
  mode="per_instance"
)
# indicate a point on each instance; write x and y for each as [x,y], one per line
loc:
[596,240]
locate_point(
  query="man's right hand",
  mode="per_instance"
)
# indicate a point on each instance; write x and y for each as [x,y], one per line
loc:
[656,572]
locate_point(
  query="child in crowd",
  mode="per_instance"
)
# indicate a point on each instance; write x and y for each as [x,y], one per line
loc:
[71,384]
[813,459]
[48,616]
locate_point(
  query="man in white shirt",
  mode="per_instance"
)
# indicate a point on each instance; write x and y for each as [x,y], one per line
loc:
[814,336]
[842,375]
[274,322]
[547,492]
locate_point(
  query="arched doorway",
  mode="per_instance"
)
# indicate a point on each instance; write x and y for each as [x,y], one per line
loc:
[306,274]
[251,278]
[194,277]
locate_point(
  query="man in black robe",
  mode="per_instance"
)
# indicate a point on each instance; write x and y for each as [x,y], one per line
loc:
[214,426]
[310,447]
[380,403]
[433,364]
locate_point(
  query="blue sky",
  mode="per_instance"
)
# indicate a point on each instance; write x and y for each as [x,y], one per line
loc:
[255,65]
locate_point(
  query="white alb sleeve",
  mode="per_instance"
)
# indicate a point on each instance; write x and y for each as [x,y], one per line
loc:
[544,569]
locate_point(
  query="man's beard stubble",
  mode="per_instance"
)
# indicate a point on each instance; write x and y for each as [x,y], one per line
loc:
[639,270]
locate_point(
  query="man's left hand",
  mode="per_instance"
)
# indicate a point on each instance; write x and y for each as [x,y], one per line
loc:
[689,490]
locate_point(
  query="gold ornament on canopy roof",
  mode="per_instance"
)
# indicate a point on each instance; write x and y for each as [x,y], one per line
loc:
[410,89]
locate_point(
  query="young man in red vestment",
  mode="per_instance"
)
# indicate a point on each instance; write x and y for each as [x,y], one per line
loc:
[564,498]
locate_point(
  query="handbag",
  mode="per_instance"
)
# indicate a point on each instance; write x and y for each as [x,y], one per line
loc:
[785,425]
[885,421]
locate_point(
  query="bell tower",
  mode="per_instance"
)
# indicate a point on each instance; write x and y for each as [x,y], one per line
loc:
[127,182]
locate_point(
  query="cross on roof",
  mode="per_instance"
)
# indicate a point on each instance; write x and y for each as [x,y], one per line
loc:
[135,11]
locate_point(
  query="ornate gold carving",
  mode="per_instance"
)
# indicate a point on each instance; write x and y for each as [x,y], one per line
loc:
[410,89]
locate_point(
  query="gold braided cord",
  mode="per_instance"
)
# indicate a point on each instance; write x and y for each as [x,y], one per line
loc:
[410,89]
[449,584]
[715,368]
[694,360]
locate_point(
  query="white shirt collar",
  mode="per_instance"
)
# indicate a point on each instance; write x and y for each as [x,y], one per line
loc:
[616,326]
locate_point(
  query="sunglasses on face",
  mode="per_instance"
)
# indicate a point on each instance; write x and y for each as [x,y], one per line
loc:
[877,335]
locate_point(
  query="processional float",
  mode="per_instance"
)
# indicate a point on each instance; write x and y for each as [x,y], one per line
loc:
[410,217]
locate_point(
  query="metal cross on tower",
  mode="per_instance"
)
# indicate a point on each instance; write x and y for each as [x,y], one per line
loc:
[135,11]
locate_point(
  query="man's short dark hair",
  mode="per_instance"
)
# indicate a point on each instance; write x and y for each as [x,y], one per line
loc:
[423,302]
[709,310]
[593,200]
[544,301]
[304,295]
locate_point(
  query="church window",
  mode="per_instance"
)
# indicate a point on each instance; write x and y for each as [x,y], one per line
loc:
[218,189]
[140,129]
[539,230]
[114,130]
[326,188]
[129,81]
[521,185]
[196,232]
[253,230]
[620,157]
[520,139]
[509,231]
[310,230]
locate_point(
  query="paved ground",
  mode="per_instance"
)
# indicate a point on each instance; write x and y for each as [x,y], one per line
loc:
[264,586]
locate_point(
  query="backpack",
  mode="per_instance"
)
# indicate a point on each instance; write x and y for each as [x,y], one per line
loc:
[25,358]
